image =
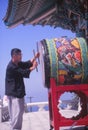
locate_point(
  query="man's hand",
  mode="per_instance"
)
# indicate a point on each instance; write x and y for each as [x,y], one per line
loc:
[35,64]
[35,57]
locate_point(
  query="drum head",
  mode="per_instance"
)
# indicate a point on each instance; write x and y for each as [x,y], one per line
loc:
[45,63]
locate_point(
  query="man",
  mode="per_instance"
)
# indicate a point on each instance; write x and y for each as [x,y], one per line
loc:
[14,85]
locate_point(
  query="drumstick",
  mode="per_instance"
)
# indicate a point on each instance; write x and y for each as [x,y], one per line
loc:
[38,52]
[34,56]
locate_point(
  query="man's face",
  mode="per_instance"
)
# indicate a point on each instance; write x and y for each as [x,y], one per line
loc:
[17,57]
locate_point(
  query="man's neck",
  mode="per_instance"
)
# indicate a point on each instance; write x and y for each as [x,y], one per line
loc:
[15,62]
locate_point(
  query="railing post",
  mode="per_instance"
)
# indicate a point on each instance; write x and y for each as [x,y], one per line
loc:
[0,114]
[1,107]
[41,107]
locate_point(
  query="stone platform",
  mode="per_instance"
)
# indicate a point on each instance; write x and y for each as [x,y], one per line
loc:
[36,121]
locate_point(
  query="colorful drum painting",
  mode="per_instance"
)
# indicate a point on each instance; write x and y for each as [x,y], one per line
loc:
[65,60]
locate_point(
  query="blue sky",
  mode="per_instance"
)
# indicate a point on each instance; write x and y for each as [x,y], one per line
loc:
[25,38]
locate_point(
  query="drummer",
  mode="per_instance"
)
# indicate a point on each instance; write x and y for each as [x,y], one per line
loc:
[14,85]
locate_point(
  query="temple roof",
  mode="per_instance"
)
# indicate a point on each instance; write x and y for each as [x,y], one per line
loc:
[68,14]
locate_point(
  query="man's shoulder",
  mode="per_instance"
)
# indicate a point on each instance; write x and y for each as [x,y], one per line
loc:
[11,65]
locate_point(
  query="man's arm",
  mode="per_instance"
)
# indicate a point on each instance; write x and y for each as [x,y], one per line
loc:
[25,65]
[33,66]
[19,71]
[29,63]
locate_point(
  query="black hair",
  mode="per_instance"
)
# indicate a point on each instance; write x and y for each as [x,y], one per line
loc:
[15,51]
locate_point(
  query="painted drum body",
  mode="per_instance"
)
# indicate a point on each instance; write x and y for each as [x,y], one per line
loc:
[65,60]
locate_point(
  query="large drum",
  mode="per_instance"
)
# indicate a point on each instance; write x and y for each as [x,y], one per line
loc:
[65,60]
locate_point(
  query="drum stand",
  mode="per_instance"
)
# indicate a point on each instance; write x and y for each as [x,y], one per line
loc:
[54,93]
